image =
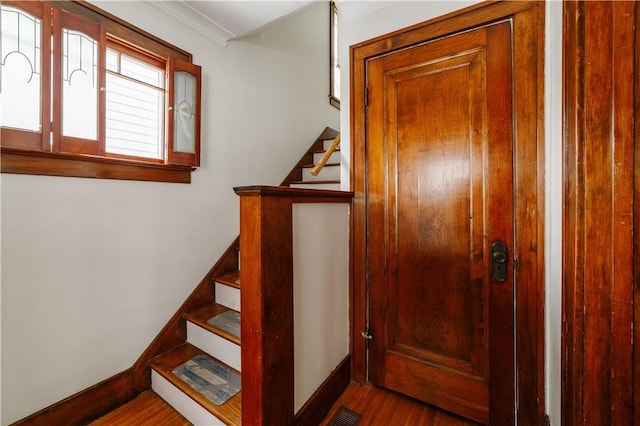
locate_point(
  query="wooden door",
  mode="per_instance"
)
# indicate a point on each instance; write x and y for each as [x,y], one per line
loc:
[439,194]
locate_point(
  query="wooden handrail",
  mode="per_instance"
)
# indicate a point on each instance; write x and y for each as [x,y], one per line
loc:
[266,299]
[326,156]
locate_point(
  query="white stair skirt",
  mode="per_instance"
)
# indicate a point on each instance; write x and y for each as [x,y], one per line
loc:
[182,403]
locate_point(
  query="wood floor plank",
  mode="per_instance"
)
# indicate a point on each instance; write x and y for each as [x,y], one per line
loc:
[147,409]
[380,407]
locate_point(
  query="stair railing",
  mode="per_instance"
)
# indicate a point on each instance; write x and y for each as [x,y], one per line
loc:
[325,157]
[266,299]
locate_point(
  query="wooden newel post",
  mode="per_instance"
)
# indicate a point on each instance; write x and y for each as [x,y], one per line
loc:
[267,308]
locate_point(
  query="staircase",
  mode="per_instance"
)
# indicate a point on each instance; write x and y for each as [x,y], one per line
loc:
[213,333]
[329,176]
[197,377]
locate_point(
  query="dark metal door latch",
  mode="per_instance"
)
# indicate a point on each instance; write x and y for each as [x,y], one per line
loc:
[499,261]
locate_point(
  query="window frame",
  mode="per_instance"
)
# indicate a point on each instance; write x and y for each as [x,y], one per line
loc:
[135,53]
[24,153]
[174,156]
[26,139]
[60,142]
[334,98]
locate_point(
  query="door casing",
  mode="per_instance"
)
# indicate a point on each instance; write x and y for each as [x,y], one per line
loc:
[528,127]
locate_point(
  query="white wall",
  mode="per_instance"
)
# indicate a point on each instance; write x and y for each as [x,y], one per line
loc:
[363,20]
[553,214]
[320,294]
[93,269]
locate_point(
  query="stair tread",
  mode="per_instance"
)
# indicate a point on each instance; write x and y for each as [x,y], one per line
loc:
[230,412]
[231,279]
[202,316]
[146,409]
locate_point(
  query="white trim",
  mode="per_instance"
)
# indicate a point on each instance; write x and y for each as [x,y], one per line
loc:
[199,22]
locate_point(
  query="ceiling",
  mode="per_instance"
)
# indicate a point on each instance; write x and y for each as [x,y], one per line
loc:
[221,21]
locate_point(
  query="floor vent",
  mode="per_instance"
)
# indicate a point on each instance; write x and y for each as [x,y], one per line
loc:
[345,417]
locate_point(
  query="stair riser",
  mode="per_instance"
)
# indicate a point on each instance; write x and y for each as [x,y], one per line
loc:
[327,143]
[182,403]
[227,296]
[327,173]
[334,158]
[216,346]
[330,186]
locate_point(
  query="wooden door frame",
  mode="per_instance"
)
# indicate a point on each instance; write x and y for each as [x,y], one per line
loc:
[601,113]
[528,102]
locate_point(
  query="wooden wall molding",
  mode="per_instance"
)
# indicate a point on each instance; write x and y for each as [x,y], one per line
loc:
[86,405]
[636,230]
[600,121]
[315,410]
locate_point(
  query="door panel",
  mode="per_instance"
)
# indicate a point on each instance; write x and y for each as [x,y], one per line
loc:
[439,192]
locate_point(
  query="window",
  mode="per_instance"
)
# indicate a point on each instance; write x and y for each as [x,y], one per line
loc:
[86,94]
[134,105]
[334,63]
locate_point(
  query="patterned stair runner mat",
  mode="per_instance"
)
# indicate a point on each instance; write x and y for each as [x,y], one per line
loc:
[228,321]
[210,378]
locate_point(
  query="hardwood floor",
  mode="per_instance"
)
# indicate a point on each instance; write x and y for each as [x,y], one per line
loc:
[147,409]
[377,407]
[382,407]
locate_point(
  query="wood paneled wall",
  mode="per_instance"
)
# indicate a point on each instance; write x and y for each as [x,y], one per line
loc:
[600,112]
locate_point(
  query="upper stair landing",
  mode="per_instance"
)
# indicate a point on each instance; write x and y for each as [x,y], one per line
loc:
[329,177]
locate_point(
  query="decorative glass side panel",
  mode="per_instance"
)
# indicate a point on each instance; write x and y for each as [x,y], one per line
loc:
[184,117]
[79,85]
[134,108]
[21,70]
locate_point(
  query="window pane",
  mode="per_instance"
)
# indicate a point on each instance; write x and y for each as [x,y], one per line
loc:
[134,118]
[112,60]
[184,122]
[335,59]
[79,85]
[20,83]
[141,71]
